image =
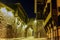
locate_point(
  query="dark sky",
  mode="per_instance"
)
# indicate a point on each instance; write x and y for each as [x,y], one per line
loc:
[28,5]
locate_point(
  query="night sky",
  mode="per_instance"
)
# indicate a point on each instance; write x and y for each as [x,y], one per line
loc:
[28,6]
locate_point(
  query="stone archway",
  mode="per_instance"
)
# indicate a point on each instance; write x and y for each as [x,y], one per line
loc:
[10,31]
[29,31]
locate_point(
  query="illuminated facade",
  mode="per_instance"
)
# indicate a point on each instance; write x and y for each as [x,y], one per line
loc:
[52,23]
[38,10]
[50,13]
[12,21]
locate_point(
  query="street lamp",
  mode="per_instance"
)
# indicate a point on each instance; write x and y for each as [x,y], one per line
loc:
[25,26]
[3,10]
[19,25]
[10,14]
[30,29]
[35,21]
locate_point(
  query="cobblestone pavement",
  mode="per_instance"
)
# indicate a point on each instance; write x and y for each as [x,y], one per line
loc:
[28,38]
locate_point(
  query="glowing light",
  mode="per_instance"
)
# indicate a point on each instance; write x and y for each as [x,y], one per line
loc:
[16,20]
[55,28]
[24,26]
[30,29]
[35,21]
[19,24]
[3,10]
[10,13]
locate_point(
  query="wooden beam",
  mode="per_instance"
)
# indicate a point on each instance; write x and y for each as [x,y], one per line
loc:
[47,19]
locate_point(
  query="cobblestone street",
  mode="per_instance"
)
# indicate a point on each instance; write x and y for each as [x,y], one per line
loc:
[28,38]
[29,19]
